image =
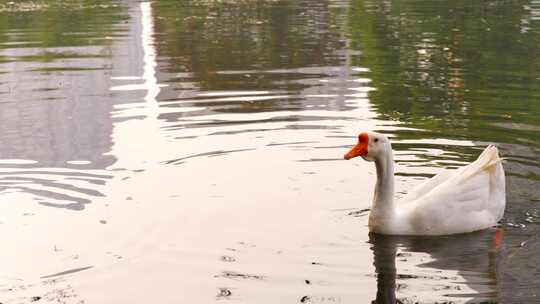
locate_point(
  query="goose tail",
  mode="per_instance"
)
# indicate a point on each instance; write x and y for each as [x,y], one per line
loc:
[489,157]
[488,160]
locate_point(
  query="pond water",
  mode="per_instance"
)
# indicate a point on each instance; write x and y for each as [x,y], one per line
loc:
[191,151]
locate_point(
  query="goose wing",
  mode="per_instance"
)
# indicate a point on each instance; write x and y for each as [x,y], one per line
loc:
[426,186]
[467,199]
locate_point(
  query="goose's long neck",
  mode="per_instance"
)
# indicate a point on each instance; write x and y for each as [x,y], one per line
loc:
[383,200]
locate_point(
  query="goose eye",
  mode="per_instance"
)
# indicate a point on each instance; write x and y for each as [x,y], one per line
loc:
[376,140]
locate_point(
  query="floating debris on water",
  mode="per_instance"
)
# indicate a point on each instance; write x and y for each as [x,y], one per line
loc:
[359,213]
[402,276]
[224,292]
[226,258]
[237,275]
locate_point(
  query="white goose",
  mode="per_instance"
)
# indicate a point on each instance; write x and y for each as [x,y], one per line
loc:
[464,200]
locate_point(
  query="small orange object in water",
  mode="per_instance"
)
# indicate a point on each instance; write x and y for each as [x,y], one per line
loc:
[497,238]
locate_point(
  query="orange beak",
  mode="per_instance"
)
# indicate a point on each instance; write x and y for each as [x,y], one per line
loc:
[360,149]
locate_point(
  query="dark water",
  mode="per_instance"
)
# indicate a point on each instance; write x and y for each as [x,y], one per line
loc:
[195,147]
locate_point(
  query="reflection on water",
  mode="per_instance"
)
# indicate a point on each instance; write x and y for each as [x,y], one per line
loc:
[51,114]
[425,270]
[200,143]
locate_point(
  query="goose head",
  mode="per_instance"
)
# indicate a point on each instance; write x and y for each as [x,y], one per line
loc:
[371,146]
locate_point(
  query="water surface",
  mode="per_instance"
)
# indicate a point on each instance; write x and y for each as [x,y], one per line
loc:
[172,151]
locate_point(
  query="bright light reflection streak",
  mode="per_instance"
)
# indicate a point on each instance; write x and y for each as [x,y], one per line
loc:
[128,146]
[149,59]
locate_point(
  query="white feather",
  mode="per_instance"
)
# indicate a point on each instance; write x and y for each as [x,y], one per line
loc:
[470,198]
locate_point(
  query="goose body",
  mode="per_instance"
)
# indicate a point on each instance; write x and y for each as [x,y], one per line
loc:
[470,198]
